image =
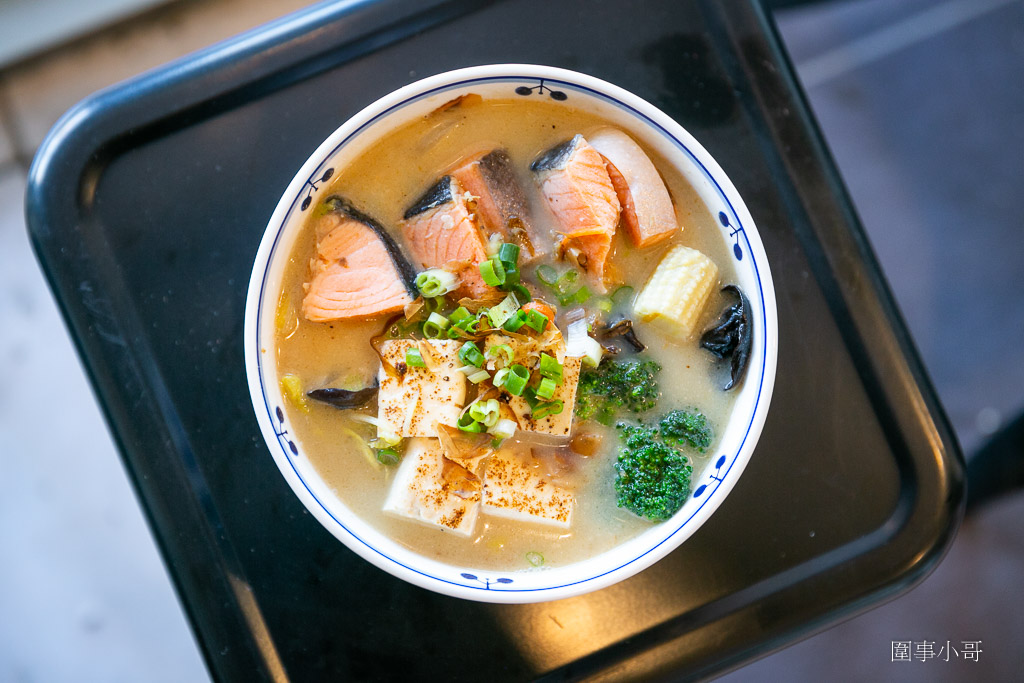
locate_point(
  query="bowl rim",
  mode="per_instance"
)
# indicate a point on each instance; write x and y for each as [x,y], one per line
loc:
[353,532]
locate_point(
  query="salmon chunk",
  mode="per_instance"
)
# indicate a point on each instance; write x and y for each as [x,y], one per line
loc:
[574,180]
[358,271]
[441,231]
[647,212]
[500,201]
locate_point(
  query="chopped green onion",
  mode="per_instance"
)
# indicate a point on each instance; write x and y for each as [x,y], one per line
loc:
[467,424]
[516,321]
[468,325]
[478,376]
[413,358]
[459,314]
[547,275]
[388,437]
[499,377]
[435,325]
[522,293]
[530,396]
[580,296]
[436,282]
[511,276]
[439,320]
[501,353]
[470,353]
[546,389]
[566,282]
[536,320]
[593,352]
[508,253]
[550,367]
[535,559]
[492,272]
[545,409]
[388,456]
[622,295]
[605,304]
[503,429]
[435,304]
[485,412]
[503,311]
[516,380]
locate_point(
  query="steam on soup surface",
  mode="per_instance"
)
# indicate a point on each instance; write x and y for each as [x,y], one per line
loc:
[489,335]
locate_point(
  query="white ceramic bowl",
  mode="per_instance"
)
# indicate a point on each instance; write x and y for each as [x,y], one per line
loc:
[642,121]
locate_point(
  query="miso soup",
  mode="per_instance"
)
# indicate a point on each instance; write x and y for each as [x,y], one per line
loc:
[490,335]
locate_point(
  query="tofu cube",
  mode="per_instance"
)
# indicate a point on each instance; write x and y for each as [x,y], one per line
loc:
[413,402]
[421,491]
[557,425]
[514,489]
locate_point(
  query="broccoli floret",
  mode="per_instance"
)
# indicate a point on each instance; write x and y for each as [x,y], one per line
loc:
[652,478]
[617,385]
[682,428]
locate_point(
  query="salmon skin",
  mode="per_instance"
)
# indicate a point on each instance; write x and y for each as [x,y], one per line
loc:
[500,201]
[440,230]
[575,182]
[358,270]
[647,212]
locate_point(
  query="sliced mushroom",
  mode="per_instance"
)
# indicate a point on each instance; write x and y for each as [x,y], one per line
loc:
[622,328]
[343,398]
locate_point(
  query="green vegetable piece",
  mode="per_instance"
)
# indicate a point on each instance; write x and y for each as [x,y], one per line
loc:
[536,320]
[413,358]
[467,424]
[684,428]
[511,276]
[515,381]
[292,387]
[566,282]
[499,377]
[550,367]
[652,478]
[492,272]
[508,253]
[388,456]
[501,353]
[435,282]
[547,275]
[622,295]
[535,559]
[500,314]
[516,321]
[546,389]
[435,325]
[459,314]
[522,293]
[470,354]
[478,376]
[485,412]
[580,296]
[542,410]
[616,386]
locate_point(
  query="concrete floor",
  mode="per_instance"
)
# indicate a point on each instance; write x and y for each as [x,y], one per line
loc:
[919,101]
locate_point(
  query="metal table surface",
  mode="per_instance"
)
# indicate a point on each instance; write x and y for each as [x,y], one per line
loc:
[146,205]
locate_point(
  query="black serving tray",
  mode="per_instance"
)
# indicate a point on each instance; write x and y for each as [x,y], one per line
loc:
[146,205]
